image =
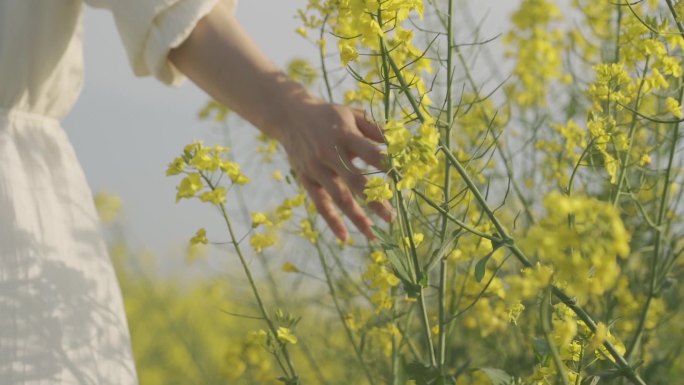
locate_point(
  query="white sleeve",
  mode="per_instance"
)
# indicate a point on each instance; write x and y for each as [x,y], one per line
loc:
[151,28]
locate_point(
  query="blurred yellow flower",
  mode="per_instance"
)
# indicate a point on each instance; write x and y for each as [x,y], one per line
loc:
[216,196]
[189,186]
[289,268]
[672,106]
[377,190]
[286,336]
[200,237]
[108,205]
[260,241]
[259,219]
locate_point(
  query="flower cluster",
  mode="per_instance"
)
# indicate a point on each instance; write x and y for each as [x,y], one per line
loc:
[582,238]
[538,50]
[413,155]
[381,280]
[202,166]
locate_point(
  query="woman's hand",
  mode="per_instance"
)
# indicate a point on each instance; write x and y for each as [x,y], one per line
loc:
[321,139]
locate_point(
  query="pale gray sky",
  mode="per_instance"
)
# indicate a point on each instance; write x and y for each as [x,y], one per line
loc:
[126,129]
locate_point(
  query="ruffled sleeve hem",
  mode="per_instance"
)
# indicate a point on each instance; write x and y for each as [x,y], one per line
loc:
[169,30]
[149,29]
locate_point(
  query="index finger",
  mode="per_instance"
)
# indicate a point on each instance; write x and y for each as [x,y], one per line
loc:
[369,129]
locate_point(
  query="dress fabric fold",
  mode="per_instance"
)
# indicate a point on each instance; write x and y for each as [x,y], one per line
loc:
[62,319]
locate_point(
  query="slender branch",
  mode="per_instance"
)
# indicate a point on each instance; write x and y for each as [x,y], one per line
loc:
[262,308]
[441,352]
[657,242]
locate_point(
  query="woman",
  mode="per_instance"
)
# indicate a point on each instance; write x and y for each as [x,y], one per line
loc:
[61,315]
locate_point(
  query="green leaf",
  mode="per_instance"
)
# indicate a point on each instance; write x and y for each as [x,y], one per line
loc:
[385,239]
[447,246]
[480,267]
[412,290]
[394,258]
[423,280]
[421,374]
[498,376]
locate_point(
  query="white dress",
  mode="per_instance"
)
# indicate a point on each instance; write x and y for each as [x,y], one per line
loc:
[61,315]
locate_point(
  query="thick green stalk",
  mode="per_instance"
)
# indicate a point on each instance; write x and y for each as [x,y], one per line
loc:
[441,352]
[386,59]
[544,316]
[418,275]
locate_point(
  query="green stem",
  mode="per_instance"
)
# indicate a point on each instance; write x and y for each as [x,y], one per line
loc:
[387,59]
[441,353]
[340,313]
[546,329]
[658,240]
[671,7]
[418,276]
[262,308]
[321,52]
[457,221]
[632,130]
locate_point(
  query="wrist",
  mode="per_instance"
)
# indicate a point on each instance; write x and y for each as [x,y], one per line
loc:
[283,105]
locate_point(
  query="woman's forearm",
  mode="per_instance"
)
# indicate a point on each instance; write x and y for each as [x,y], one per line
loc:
[321,139]
[223,60]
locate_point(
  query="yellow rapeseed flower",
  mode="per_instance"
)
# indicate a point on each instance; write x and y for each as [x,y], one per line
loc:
[216,196]
[108,206]
[347,52]
[286,336]
[176,167]
[200,237]
[260,241]
[377,190]
[259,219]
[189,186]
[277,175]
[288,267]
[307,231]
[672,106]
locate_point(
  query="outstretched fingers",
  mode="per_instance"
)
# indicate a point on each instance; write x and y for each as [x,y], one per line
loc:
[368,152]
[369,129]
[340,193]
[324,205]
[356,182]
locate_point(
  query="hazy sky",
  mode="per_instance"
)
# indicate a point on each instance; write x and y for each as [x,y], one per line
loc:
[125,129]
